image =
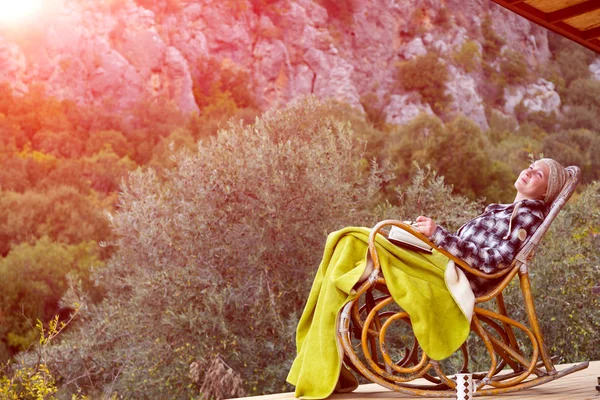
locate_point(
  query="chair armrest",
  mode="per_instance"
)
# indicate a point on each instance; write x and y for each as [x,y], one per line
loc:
[390,222]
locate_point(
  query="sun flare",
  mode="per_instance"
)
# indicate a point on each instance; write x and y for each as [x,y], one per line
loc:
[16,11]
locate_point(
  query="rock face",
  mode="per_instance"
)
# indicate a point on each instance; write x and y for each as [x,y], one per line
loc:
[116,54]
[466,99]
[402,109]
[536,97]
[595,69]
[13,66]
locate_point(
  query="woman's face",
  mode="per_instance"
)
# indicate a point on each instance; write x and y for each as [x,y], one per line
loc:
[533,181]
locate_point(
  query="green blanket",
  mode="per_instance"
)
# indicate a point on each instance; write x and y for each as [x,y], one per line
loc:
[415,280]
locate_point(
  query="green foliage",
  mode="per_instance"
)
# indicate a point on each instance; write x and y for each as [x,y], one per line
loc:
[581,117]
[513,68]
[218,257]
[61,169]
[163,152]
[222,91]
[493,85]
[546,122]
[469,56]
[62,214]
[33,380]
[570,58]
[457,150]
[584,92]
[340,9]
[429,194]
[222,82]
[563,272]
[28,383]
[576,147]
[109,140]
[582,105]
[492,42]
[501,126]
[514,152]
[443,19]
[33,278]
[428,76]
[374,110]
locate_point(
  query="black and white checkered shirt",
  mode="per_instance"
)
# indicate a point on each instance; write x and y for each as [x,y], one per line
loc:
[483,242]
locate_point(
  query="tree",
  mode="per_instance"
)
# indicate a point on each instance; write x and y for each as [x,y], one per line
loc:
[576,147]
[64,144]
[33,278]
[111,140]
[458,151]
[62,214]
[428,76]
[217,256]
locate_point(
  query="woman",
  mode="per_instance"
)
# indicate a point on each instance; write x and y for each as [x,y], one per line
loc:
[417,281]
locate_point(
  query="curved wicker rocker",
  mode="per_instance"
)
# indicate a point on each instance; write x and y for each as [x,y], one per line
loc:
[374,314]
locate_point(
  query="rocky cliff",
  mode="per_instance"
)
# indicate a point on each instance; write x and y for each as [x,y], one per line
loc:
[117,52]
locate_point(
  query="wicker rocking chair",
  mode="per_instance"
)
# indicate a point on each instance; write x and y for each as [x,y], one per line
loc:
[511,368]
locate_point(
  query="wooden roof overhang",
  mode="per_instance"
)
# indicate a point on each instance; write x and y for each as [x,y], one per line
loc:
[578,20]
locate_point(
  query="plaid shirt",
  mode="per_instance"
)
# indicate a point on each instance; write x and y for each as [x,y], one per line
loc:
[481,242]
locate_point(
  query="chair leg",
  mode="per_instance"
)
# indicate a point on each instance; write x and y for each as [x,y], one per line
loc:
[509,331]
[533,321]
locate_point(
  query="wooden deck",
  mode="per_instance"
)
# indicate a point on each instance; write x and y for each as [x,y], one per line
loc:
[580,385]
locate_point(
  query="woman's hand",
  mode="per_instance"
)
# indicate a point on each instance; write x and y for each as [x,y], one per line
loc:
[425,225]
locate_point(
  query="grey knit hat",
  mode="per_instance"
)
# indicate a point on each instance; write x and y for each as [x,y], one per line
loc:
[556,179]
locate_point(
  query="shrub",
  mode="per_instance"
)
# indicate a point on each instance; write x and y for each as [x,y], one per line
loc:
[501,126]
[31,379]
[515,152]
[576,147]
[469,56]
[571,58]
[342,10]
[429,194]
[62,214]
[514,68]
[443,19]
[33,278]
[217,258]
[458,151]
[581,117]
[584,92]
[492,42]
[222,85]
[562,273]
[428,76]
[374,110]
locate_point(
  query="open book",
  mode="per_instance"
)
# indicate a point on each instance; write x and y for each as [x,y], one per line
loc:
[402,238]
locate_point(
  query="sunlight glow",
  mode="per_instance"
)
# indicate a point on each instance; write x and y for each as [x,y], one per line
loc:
[13,12]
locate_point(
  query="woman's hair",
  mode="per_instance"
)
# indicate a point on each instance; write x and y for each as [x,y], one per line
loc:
[556,179]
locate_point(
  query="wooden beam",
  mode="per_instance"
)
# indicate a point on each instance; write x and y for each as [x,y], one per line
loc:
[568,12]
[585,38]
[564,27]
[560,27]
[530,10]
[591,33]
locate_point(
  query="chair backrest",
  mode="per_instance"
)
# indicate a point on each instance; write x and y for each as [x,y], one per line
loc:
[566,192]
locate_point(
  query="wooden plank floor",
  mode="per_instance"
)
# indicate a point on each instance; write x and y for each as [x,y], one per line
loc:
[580,385]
